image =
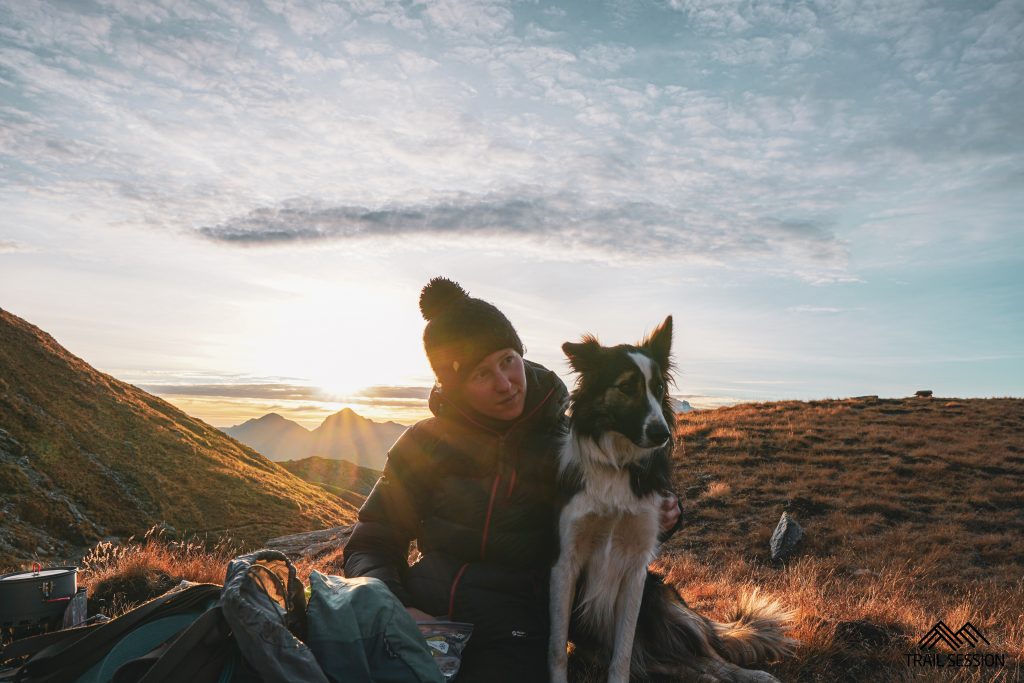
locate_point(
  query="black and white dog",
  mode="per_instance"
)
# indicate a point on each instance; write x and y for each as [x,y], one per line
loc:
[614,465]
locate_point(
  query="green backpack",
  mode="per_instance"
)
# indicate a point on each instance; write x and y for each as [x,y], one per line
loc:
[180,635]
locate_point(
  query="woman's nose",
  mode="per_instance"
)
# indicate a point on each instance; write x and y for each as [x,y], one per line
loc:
[503,384]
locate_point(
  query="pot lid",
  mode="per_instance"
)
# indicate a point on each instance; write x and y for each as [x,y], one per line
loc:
[43,573]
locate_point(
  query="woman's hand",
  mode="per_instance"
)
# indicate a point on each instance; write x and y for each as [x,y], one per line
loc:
[419,615]
[668,515]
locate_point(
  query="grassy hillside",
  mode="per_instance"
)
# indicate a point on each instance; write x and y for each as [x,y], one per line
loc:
[84,456]
[341,477]
[913,511]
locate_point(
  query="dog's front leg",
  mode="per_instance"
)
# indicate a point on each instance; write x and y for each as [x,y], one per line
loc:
[625,629]
[563,588]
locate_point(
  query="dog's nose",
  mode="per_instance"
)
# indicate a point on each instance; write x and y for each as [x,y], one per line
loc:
[657,433]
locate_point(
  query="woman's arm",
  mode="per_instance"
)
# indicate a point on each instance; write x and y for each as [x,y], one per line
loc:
[379,545]
[670,516]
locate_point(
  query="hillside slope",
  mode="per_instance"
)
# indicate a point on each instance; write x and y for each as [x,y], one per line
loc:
[342,478]
[913,511]
[877,481]
[85,456]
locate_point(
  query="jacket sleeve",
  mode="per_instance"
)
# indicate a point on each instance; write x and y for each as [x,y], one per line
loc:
[388,520]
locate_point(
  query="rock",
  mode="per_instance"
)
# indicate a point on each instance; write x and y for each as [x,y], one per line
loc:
[924,393]
[785,537]
[312,543]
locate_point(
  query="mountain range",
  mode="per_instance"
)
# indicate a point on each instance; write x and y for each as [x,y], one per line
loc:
[84,456]
[345,435]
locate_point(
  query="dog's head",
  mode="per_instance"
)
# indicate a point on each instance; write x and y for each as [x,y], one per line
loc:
[622,390]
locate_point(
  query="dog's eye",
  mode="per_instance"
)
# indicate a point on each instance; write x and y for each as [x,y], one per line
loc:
[628,388]
[659,387]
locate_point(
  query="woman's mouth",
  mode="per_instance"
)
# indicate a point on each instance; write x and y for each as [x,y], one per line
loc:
[508,401]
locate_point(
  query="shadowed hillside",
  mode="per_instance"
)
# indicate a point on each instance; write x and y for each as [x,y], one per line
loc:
[85,456]
[342,478]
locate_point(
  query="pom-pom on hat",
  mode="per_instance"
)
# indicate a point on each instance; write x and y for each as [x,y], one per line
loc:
[461,331]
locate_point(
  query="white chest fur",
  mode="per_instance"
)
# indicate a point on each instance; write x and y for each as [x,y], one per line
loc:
[611,535]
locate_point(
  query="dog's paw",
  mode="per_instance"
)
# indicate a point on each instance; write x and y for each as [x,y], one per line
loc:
[730,673]
[558,664]
[752,676]
[559,676]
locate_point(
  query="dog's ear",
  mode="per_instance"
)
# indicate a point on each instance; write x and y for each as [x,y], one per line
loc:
[659,345]
[585,355]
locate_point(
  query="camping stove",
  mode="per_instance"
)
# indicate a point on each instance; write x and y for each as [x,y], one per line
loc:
[34,601]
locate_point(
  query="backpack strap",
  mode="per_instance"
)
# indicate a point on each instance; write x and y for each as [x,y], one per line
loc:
[69,658]
[198,654]
[30,646]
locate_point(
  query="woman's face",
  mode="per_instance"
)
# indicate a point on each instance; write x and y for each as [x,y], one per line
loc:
[496,386]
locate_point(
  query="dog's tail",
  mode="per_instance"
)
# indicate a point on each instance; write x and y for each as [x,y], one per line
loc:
[755,632]
[671,637]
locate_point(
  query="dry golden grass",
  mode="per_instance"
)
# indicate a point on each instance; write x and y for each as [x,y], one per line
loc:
[126,574]
[913,511]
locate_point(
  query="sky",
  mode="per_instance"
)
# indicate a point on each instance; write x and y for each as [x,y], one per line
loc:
[234,205]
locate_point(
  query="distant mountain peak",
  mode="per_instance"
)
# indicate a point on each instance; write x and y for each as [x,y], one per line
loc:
[681,406]
[342,435]
[262,421]
[345,415]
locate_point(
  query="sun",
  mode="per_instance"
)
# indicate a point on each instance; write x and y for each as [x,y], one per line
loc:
[345,338]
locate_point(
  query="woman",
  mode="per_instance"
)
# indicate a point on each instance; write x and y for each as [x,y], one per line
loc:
[475,486]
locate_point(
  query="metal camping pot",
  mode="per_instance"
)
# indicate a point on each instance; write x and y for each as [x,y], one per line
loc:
[36,597]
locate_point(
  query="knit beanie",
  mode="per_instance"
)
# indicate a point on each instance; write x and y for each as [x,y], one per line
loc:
[461,331]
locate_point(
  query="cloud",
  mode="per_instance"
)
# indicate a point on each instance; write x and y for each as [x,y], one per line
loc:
[427,120]
[12,247]
[628,229]
[814,309]
[382,395]
[472,18]
[396,392]
[279,392]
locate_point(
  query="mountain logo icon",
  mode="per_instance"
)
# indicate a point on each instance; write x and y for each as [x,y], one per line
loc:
[969,634]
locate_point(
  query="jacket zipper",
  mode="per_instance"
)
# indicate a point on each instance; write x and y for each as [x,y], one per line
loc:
[451,594]
[497,477]
[490,503]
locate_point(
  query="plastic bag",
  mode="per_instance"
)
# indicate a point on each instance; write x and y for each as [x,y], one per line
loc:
[446,639]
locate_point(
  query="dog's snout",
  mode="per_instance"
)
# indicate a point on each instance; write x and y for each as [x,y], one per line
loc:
[657,433]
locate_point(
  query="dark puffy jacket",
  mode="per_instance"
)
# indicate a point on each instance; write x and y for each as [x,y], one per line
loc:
[479,497]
